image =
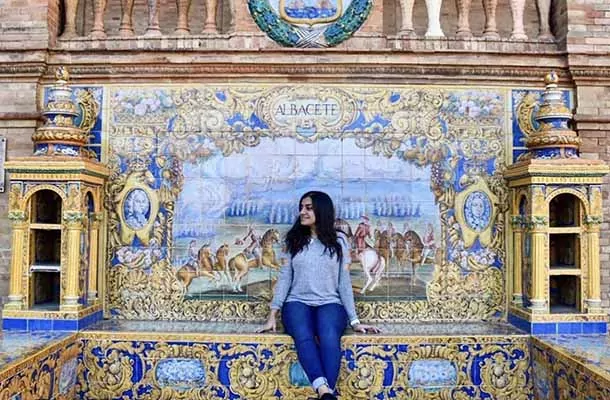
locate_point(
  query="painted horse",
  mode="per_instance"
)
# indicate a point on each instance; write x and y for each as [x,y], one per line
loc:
[240,264]
[205,267]
[373,266]
[383,244]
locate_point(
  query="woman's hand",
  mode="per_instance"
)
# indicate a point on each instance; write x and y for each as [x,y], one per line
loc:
[362,328]
[270,325]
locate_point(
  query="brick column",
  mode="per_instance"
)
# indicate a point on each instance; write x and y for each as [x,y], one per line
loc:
[588,45]
[370,35]
[594,131]
[245,34]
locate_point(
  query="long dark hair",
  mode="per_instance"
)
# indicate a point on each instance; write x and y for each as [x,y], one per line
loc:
[298,236]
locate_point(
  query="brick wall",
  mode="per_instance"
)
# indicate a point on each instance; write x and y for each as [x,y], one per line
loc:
[23,24]
[595,134]
[588,26]
[17,123]
[18,134]
[588,45]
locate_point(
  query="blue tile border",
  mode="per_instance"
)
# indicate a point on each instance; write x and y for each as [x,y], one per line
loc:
[34,324]
[519,323]
[594,327]
[546,328]
[16,324]
[572,328]
[559,327]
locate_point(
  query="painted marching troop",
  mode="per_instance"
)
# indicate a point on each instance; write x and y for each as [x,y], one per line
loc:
[373,250]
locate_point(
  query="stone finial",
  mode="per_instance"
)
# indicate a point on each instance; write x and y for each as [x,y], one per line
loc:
[61,75]
[551,79]
[554,138]
[59,136]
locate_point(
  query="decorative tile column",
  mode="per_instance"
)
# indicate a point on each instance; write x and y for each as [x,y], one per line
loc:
[96,219]
[19,225]
[518,223]
[72,220]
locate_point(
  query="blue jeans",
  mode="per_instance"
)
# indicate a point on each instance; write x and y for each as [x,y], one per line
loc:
[317,335]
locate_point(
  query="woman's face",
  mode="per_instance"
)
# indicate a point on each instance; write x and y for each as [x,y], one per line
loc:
[308,217]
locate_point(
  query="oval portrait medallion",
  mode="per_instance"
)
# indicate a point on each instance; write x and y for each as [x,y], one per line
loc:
[136,209]
[478,211]
[309,23]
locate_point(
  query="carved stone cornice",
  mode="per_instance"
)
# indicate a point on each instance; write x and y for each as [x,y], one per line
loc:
[22,69]
[591,75]
[592,122]
[20,116]
[319,71]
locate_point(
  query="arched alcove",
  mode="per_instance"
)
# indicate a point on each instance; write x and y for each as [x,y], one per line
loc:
[45,249]
[565,238]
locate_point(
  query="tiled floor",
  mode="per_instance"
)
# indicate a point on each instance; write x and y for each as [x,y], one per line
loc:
[15,345]
[407,329]
[589,349]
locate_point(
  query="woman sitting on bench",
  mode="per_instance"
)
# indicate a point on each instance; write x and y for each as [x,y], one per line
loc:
[314,292]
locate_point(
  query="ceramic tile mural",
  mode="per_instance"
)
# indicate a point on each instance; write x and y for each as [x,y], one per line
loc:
[206,181]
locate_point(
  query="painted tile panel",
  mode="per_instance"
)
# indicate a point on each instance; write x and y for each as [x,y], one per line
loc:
[206,181]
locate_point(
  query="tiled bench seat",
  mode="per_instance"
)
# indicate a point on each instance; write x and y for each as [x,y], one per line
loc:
[230,361]
[191,360]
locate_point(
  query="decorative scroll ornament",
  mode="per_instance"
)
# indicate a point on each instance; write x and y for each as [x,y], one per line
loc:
[309,23]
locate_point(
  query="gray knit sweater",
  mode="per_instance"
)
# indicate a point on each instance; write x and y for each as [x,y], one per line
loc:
[314,278]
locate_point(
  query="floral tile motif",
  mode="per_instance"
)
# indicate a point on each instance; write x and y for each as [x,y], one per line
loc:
[180,373]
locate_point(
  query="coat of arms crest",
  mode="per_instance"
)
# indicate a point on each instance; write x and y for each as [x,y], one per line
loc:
[309,23]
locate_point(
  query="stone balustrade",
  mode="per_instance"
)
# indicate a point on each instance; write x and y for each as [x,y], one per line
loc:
[144,19]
